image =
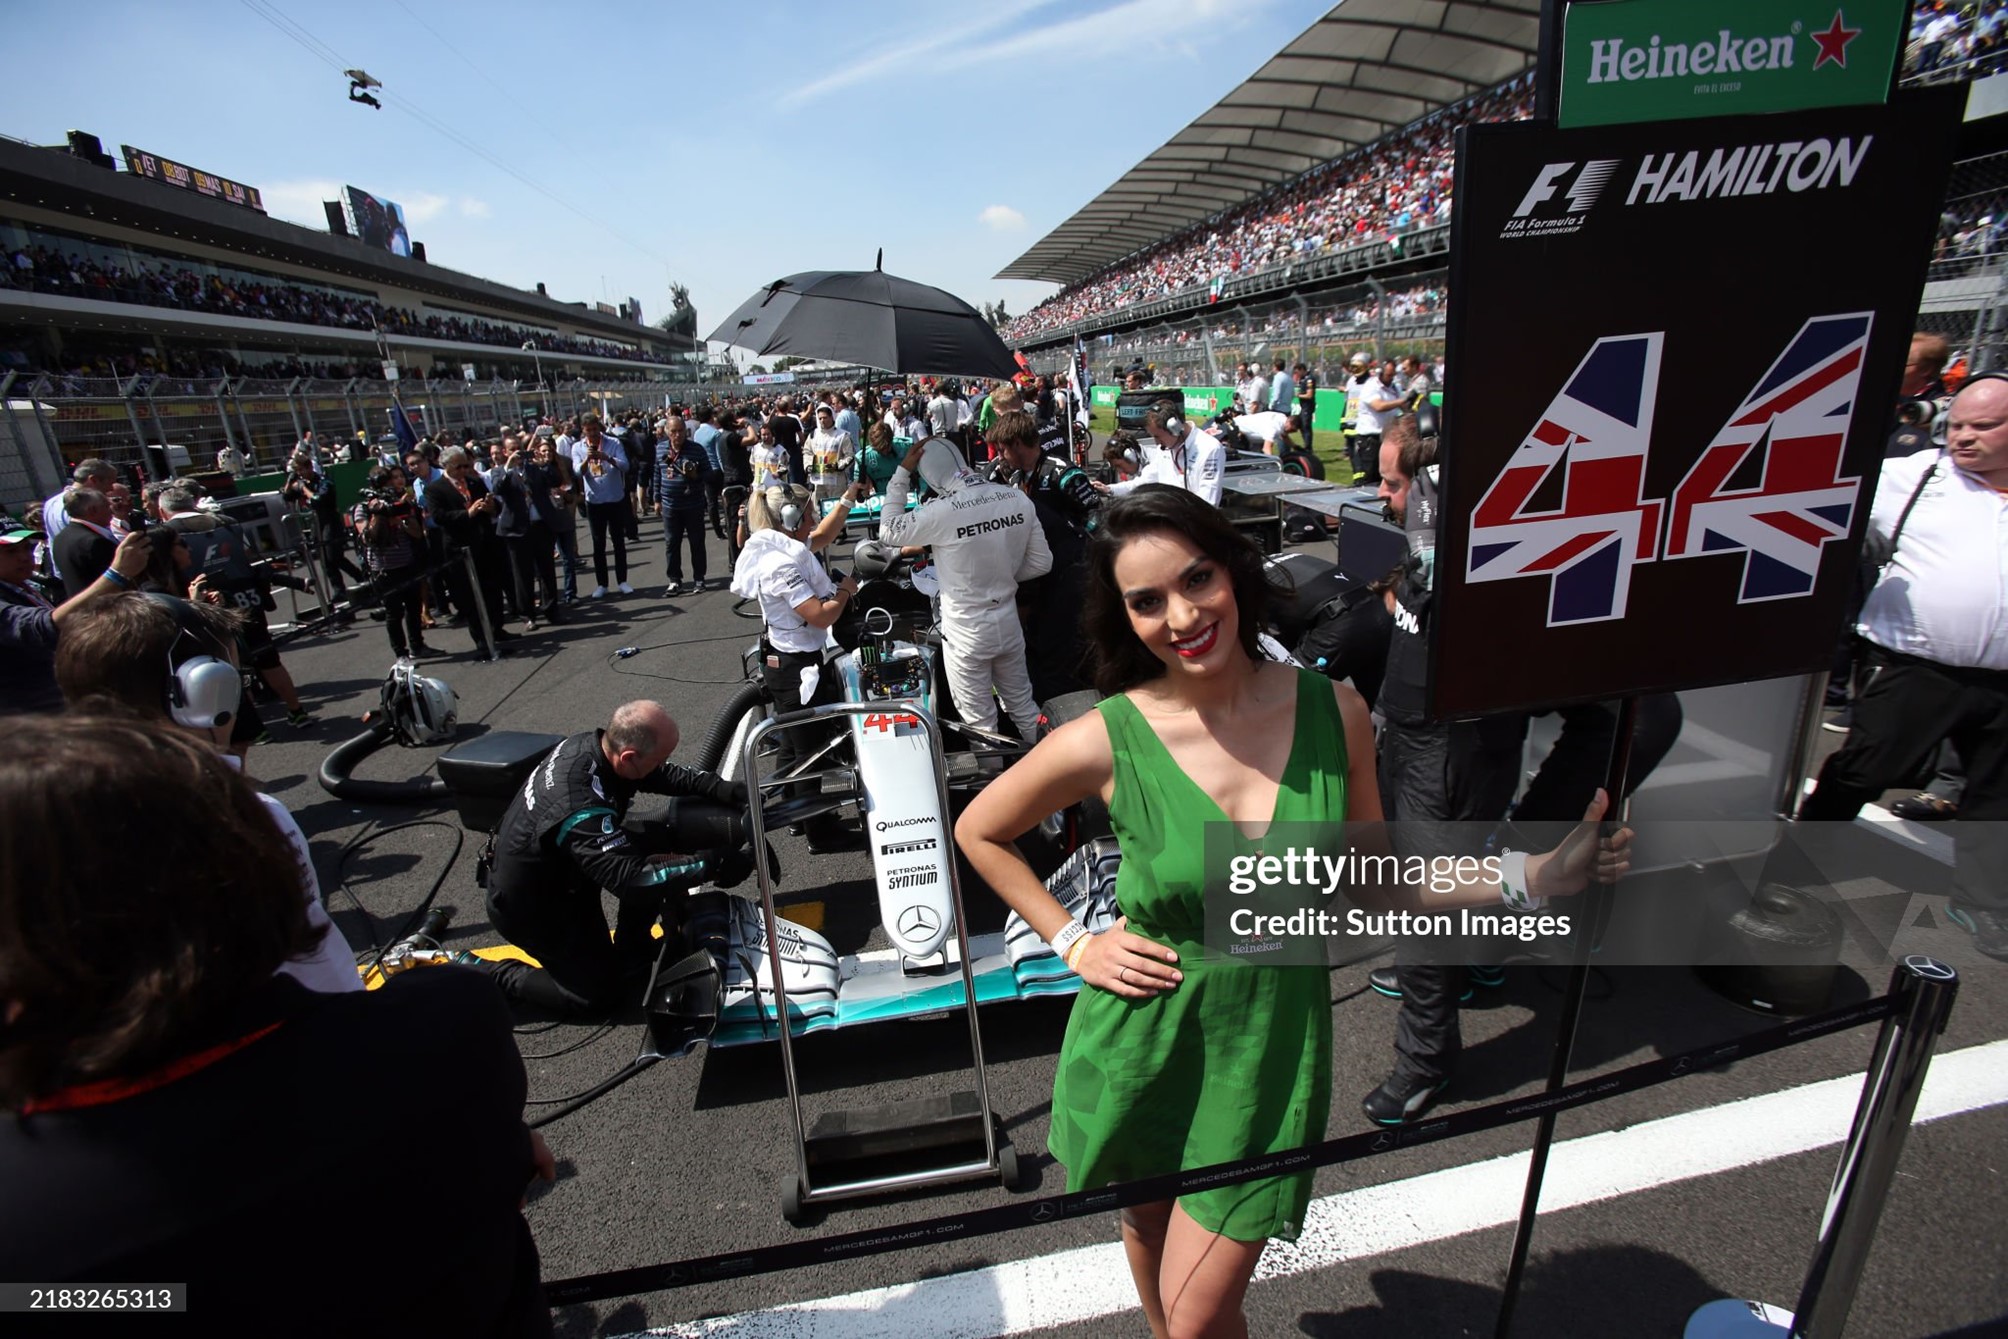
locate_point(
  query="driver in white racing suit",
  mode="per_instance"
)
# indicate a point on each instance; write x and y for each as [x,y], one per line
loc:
[1183,457]
[986,539]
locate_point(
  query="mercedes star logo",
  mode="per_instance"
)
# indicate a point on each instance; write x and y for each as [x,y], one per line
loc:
[918,922]
[1930,968]
[1044,1212]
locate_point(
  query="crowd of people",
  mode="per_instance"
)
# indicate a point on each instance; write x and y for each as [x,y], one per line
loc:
[136,655]
[1370,195]
[1959,36]
[82,269]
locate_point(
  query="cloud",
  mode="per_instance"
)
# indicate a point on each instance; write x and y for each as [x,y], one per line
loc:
[1001,217]
[423,207]
[473,208]
[928,53]
[1160,25]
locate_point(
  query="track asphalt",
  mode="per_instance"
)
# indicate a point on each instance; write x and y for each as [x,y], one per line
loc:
[689,1158]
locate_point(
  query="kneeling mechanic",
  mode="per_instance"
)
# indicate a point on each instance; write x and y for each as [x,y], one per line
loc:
[561,842]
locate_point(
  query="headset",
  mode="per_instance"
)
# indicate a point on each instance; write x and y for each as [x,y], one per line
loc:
[1428,420]
[203,690]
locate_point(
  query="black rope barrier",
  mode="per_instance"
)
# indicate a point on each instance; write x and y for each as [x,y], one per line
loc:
[1349,1148]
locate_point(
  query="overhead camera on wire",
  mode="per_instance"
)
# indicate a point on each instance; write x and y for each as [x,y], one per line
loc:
[359,85]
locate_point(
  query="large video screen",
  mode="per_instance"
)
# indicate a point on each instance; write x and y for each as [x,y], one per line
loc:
[375,220]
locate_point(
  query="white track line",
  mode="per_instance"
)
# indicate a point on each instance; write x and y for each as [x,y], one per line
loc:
[1069,1287]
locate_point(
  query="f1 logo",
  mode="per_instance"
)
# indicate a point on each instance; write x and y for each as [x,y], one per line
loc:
[1589,185]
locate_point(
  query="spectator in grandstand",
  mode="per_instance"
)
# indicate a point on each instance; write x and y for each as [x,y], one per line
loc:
[391,539]
[30,625]
[158,1073]
[84,549]
[1937,652]
[601,468]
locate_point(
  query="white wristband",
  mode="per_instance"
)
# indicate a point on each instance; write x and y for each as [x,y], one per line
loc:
[1513,883]
[1064,940]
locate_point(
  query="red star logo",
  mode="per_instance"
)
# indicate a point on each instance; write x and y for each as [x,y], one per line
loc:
[1833,43]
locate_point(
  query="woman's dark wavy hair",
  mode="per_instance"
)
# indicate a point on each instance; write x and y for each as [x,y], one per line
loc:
[124,962]
[1119,661]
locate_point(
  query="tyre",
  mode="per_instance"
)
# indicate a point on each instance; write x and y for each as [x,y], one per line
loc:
[791,1201]
[1008,1170]
[750,697]
[1304,463]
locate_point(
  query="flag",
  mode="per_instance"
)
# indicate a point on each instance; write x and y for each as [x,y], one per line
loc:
[1216,288]
[400,423]
[1082,382]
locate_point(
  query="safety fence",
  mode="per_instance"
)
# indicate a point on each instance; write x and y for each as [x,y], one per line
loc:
[48,423]
[1913,1015]
[1321,331]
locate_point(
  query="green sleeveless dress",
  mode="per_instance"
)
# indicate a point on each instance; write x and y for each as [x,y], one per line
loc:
[1235,1062]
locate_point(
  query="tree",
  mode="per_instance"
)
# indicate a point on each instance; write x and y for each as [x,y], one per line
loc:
[994,313]
[757,370]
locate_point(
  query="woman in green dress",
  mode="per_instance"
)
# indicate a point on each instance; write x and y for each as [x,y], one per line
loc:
[1175,1057]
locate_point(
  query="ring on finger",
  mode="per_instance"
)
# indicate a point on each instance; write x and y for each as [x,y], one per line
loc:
[1122,974]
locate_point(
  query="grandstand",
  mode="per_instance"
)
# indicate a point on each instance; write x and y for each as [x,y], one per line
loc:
[134,308]
[1307,213]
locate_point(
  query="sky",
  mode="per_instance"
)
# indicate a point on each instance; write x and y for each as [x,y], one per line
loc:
[610,149]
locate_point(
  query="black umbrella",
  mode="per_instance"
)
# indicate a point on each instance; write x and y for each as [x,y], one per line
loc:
[871,318]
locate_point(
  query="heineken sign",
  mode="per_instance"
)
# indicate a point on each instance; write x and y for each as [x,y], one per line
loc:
[1648,60]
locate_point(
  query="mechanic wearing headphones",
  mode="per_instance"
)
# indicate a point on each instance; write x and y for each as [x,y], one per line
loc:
[798,601]
[986,539]
[163,659]
[1184,457]
[561,842]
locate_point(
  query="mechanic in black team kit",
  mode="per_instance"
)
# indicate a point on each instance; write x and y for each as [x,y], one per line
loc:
[561,842]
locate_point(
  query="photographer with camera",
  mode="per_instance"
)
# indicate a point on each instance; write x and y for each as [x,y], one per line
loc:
[225,560]
[309,490]
[386,520]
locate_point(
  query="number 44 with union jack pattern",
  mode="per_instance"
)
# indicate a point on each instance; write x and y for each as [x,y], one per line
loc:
[1792,502]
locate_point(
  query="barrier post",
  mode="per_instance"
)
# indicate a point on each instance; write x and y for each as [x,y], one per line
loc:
[479,600]
[1921,991]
